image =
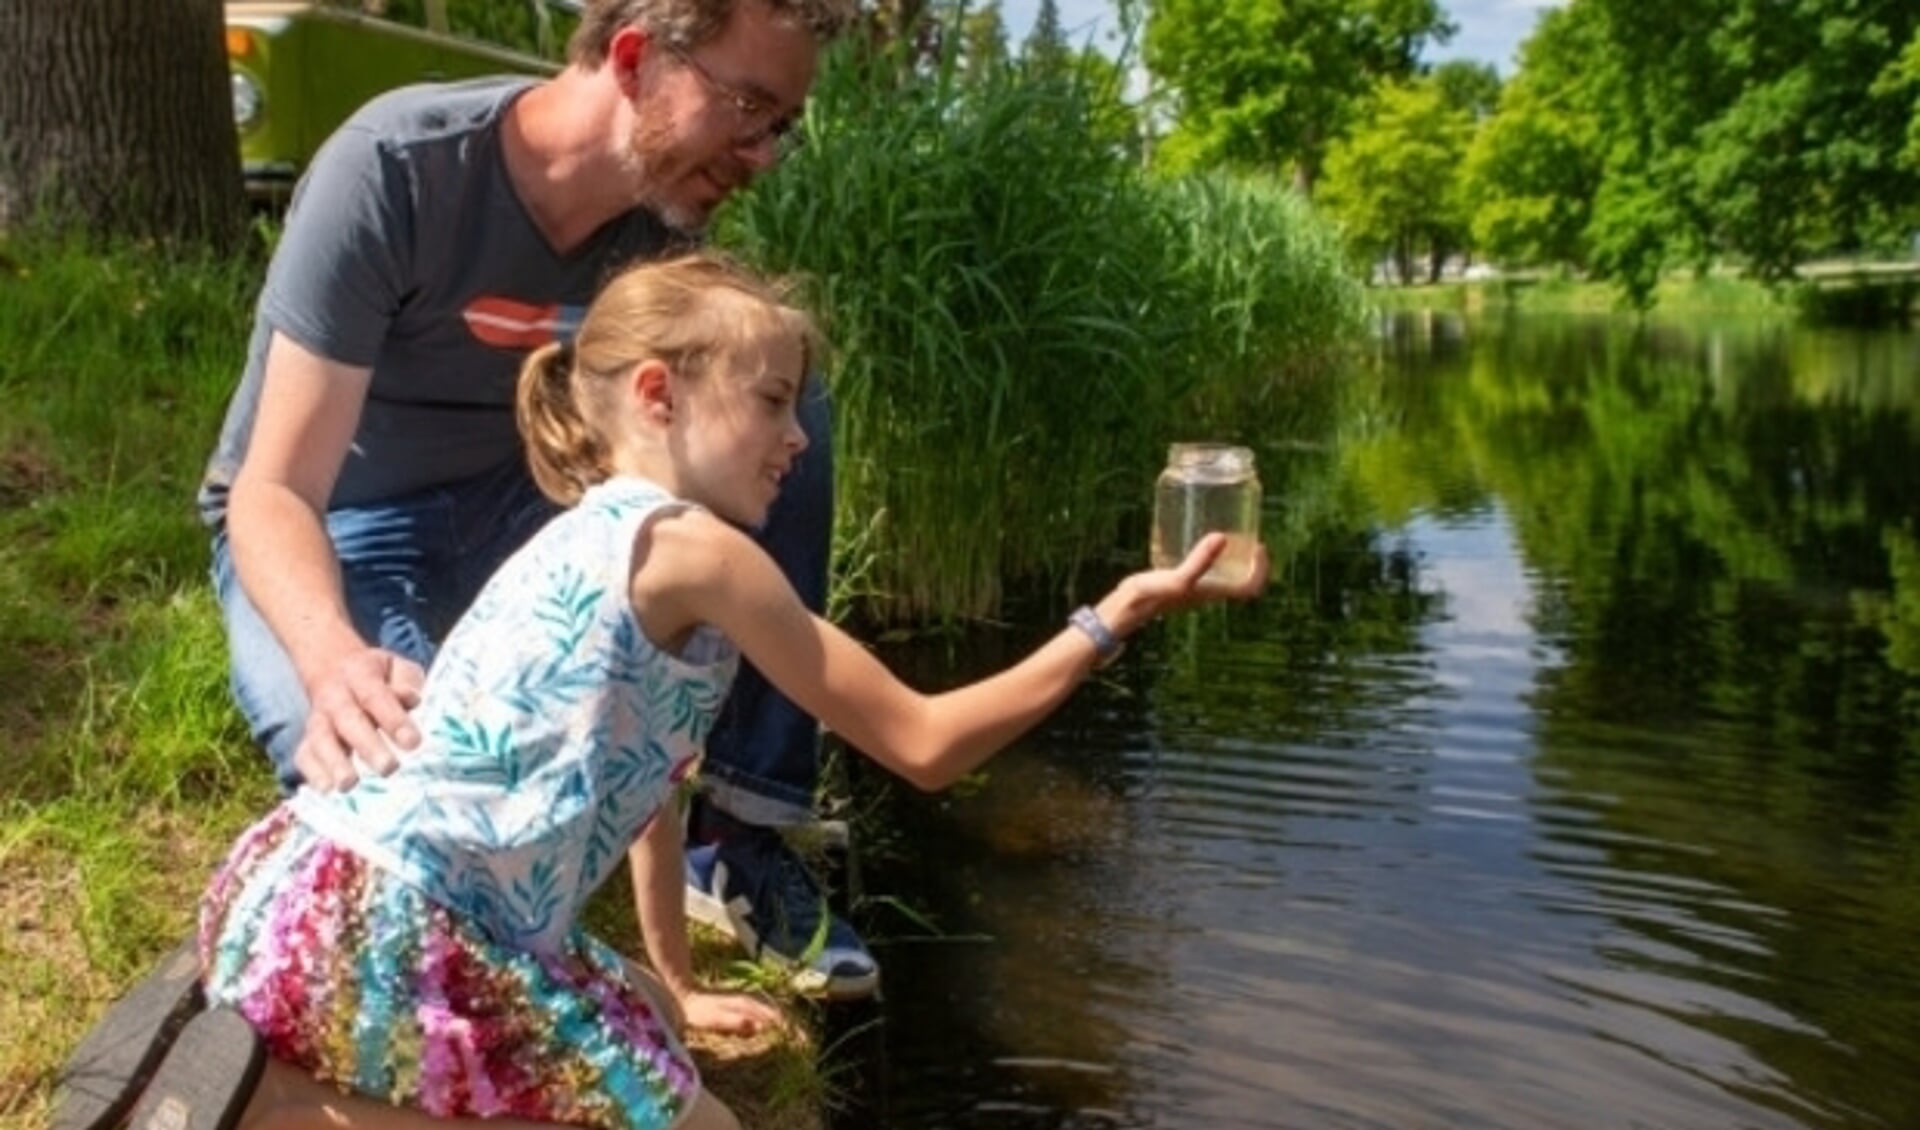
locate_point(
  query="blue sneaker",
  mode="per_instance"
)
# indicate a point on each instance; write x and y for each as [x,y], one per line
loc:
[748,884]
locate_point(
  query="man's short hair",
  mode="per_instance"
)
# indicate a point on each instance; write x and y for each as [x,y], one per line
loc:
[686,24]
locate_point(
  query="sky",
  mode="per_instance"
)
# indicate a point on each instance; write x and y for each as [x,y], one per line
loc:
[1490,30]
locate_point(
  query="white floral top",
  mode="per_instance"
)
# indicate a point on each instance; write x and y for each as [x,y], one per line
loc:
[552,732]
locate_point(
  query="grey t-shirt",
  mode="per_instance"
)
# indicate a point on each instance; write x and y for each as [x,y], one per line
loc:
[407,250]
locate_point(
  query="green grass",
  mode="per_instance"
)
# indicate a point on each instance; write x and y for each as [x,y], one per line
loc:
[127,771]
[1682,294]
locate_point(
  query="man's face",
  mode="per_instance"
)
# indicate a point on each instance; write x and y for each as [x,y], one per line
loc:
[709,119]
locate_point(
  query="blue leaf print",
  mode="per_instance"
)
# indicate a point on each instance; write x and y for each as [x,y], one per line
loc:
[422,856]
[484,829]
[477,754]
[573,790]
[568,611]
[686,705]
[456,668]
[537,691]
[535,899]
[482,891]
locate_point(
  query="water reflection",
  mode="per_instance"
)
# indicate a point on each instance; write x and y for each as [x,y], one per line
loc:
[1566,779]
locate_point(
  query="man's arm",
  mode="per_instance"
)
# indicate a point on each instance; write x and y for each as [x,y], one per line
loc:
[309,407]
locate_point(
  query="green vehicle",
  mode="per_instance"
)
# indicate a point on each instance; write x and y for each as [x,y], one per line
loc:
[300,67]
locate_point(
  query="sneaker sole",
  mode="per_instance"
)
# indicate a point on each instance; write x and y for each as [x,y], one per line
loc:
[704,908]
[208,1078]
[104,1076]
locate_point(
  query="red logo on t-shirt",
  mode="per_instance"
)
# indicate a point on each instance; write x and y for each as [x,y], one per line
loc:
[507,323]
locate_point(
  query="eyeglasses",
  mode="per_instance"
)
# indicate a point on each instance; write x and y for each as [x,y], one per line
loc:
[755,111]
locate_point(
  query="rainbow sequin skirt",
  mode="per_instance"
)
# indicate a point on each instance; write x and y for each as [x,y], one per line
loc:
[360,979]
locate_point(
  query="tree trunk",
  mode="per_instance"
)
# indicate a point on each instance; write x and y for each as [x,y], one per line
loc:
[116,120]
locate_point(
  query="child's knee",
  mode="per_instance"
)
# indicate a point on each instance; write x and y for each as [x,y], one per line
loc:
[655,990]
[709,1113]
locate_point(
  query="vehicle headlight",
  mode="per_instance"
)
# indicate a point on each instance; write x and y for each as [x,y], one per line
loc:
[248,102]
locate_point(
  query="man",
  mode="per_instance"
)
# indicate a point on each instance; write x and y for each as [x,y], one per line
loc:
[369,477]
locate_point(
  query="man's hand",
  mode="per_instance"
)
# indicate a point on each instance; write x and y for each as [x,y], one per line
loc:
[359,710]
[730,1014]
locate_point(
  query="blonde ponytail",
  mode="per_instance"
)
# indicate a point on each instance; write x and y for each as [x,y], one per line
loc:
[564,453]
[686,312]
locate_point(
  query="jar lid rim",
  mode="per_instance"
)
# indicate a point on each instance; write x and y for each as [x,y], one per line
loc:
[1209,450]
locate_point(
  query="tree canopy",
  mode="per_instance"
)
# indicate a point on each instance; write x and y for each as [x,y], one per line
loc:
[1636,138]
[1633,139]
[1532,168]
[1393,182]
[1271,84]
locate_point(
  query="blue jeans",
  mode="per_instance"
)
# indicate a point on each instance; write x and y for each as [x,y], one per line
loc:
[412,565]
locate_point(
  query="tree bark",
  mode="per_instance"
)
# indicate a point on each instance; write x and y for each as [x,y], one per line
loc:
[116,120]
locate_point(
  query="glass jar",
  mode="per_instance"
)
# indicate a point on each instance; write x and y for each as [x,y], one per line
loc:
[1207,487]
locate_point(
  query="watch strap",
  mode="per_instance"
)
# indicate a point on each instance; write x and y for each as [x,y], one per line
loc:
[1106,646]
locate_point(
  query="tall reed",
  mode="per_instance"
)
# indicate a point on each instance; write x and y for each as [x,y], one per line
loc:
[1023,320]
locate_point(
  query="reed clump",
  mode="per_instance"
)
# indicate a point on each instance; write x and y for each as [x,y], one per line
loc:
[1024,317]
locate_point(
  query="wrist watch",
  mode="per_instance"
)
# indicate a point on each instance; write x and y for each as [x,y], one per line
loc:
[1106,646]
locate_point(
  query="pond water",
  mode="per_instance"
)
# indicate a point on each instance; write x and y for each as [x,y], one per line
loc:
[1569,775]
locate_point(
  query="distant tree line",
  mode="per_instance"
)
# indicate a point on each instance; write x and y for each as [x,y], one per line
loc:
[1637,138]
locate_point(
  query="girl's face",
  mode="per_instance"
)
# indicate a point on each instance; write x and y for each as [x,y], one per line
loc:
[740,433]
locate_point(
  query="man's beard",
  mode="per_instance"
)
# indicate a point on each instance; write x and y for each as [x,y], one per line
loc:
[641,162]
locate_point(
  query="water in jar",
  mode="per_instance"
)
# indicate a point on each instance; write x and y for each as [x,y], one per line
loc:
[1204,488]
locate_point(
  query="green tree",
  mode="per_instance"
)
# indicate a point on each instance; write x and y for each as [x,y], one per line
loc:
[1805,160]
[1757,127]
[1393,183]
[1045,48]
[981,32]
[1533,168]
[538,27]
[1900,82]
[1268,85]
[1094,84]
[983,37]
[1630,236]
[1468,86]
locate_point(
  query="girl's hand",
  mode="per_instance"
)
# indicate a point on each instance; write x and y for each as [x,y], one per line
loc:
[1151,593]
[730,1014]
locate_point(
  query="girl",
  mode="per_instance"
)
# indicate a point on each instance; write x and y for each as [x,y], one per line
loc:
[413,939]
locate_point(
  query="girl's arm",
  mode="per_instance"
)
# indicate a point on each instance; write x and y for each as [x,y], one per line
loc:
[658,864]
[700,570]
